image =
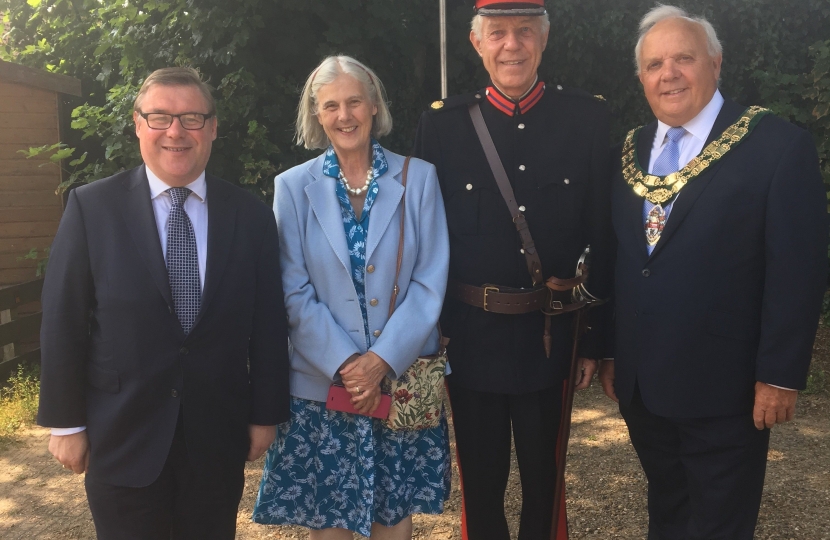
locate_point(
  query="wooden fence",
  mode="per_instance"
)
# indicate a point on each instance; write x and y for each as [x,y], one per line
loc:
[20,318]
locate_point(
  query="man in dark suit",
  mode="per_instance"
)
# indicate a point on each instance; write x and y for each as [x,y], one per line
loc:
[164,361]
[509,360]
[720,216]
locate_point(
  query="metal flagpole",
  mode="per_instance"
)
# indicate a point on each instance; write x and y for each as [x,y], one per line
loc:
[442,18]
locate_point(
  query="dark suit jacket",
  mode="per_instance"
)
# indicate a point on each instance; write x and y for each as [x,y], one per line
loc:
[557,157]
[114,356]
[732,292]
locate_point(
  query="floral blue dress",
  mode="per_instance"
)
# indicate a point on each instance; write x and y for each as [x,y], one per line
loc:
[335,469]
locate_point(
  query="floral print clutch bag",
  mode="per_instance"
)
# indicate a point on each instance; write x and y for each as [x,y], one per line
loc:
[418,394]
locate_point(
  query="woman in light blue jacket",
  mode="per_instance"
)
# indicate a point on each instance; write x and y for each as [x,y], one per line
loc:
[339,223]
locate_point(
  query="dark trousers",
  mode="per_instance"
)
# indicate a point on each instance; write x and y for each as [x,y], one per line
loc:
[705,475]
[483,422]
[182,503]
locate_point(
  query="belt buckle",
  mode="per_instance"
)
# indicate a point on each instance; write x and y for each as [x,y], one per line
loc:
[486,290]
[551,306]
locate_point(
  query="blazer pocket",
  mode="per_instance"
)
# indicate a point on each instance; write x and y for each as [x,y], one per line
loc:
[103,379]
[731,325]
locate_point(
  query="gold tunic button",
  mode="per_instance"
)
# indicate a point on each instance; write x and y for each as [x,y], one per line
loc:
[469,187]
[376,333]
[522,251]
[521,209]
[567,181]
[559,87]
[373,302]
[478,96]
[521,167]
[370,268]
[522,126]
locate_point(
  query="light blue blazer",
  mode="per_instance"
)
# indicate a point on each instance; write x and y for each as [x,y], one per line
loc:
[324,317]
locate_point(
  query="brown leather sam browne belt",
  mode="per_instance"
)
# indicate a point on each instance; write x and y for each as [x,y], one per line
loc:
[554,298]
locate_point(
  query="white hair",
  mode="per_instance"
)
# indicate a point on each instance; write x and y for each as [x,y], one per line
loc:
[309,132]
[663,12]
[478,22]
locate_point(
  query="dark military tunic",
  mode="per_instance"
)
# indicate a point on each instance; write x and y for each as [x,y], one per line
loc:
[556,154]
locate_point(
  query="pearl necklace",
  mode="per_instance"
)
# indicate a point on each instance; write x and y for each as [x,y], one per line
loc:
[356,191]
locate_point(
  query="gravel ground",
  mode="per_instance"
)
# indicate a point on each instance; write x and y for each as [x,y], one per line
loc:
[606,487]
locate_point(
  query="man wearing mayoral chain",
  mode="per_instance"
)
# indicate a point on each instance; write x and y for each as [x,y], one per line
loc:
[524,171]
[720,216]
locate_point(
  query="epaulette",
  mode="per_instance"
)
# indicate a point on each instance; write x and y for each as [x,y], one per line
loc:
[455,101]
[577,92]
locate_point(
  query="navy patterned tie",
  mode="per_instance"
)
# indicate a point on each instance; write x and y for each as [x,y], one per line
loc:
[182,261]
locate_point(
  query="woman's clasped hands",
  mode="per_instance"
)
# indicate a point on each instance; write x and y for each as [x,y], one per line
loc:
[361,376]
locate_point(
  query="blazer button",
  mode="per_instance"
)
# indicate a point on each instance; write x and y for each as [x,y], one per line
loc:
[646,272]
[373,302]
[184,351]
[174,393]
[376,333]
[370,268]
[522,167]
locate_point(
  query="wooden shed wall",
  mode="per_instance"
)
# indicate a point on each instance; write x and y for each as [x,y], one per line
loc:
[30,210]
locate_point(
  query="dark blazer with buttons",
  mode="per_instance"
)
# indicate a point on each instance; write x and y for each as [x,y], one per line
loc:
[555,156]
[732,291]
[114,356]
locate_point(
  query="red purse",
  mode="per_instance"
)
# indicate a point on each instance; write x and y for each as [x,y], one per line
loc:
[339,399]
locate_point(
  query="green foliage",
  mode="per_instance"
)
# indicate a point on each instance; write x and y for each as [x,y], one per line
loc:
[18,401]
[818,93]
[42,260]
[257,54]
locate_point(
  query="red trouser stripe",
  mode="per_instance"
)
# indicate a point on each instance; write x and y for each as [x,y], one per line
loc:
[562,528]
[460,478]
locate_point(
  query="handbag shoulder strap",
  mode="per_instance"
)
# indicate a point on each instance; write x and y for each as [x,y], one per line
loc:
[395,288]
[534,265]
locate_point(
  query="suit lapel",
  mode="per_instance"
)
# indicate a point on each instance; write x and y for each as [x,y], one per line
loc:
[141,222]
[323,201]
[390,192]
[221,228]
[690,193]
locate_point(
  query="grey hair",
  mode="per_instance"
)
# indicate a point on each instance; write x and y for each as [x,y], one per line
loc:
[478,22]
[309,132]
[662,12]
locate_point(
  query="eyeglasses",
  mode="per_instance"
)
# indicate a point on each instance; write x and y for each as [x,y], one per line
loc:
[190,121]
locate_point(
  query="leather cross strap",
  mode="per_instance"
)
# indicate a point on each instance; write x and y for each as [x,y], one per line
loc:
[534,265]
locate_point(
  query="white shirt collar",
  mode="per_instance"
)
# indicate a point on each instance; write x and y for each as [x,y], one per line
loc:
[157,185]
[701,125]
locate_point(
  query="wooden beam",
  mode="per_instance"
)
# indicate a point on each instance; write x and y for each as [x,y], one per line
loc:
[21,329]
[31,214]
[18,295]
[39,79]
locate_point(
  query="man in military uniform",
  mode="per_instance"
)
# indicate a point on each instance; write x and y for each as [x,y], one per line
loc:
[509,360]
[721,221]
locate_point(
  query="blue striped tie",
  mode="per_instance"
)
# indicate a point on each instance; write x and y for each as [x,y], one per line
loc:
[183,261]
[666,163]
